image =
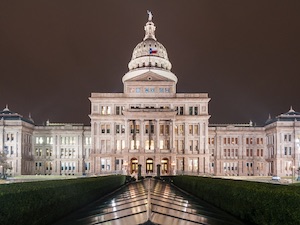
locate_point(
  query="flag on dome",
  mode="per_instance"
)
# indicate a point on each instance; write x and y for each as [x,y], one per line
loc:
[152,50]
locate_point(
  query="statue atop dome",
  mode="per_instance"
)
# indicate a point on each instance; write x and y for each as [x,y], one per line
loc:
[150,15]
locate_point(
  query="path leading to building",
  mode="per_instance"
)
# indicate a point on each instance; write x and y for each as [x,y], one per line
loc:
[149,202]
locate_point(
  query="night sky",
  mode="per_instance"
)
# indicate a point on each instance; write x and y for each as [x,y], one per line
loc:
[245,54]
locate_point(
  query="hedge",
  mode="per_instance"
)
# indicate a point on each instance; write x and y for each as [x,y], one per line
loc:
[44,202]
[252,202]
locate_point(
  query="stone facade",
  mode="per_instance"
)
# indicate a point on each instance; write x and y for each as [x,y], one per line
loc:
[152,126]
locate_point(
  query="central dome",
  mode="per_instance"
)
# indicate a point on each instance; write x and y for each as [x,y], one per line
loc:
[149,52]
[149,55]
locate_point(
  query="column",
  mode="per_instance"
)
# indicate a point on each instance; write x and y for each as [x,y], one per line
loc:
[172,135]
[127,134]
[157,135]
[142,131]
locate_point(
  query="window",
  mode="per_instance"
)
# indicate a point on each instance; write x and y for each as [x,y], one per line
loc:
[152,90]
[190,110]
[196,129]
[146,90]
[161,90]
[179,110]
[196,110]
[119,110]
[190,129]
[181,129]
[105,110]
[193,110]
[118,131]
[285,150]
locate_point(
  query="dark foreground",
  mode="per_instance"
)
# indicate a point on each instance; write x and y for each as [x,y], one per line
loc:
[149,202]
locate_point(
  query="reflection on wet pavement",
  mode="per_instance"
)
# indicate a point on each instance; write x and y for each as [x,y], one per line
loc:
[149,200]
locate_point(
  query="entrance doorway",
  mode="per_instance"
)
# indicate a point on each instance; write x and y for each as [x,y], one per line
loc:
[165,166]
[149,165]
[134,165]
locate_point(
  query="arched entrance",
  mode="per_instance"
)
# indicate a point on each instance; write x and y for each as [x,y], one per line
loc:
[133,165]
[165,166]
[149,165]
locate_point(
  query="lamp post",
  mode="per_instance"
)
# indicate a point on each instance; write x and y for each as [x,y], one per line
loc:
[293,167]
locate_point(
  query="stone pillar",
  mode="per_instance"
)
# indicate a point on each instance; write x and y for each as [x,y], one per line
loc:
[172,141]
[157,135]
[142,144]
[127,135]
[158,170]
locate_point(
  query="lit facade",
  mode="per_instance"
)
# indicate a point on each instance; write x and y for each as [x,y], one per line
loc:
[153,126]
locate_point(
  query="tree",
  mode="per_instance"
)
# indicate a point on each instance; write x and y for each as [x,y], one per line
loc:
[4,165]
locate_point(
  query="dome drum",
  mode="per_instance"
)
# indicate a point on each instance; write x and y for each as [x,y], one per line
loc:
[149,62]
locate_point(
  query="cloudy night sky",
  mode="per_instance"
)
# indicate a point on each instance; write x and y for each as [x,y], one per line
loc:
[245,54]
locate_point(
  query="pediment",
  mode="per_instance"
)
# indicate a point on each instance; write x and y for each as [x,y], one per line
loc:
[149,76]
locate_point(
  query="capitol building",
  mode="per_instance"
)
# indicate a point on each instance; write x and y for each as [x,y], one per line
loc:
[151,125]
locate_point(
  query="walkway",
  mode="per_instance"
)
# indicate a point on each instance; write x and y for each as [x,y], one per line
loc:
[149,202]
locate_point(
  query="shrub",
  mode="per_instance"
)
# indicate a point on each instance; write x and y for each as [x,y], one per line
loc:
[258,203]
[41,203]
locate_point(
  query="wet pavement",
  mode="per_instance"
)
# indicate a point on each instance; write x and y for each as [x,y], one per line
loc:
[149,202]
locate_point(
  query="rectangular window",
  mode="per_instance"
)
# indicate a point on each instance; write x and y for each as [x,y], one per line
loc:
[196,146]
[190,110]
[285,150]
[181,110]
[118,129]
[196,111]
[167,129]
[190,129]
[118,110]
[196,129]
[161,129]
[181,129]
